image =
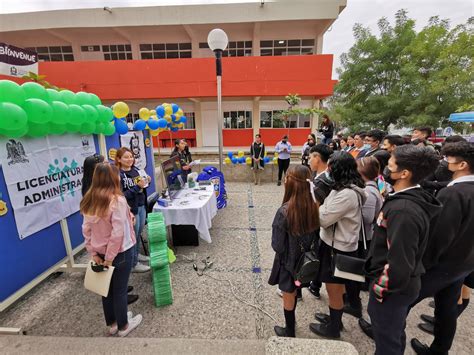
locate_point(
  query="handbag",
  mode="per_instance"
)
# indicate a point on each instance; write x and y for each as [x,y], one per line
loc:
[98,281]
[348,267]
[307,267]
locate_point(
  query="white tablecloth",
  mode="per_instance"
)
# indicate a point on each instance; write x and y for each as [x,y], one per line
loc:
[192,208]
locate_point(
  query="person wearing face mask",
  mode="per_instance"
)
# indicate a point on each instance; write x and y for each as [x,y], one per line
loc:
[306,148]
[359,148]
[283,148]
[392,141]
[394,264]
[372,142]
[449,256]
[420,137]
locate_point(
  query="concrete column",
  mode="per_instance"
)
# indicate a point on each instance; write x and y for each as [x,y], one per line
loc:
[198,123]
[315,119]
[135,50]
[256,115]
[76,51]
[256,39]
[319,44]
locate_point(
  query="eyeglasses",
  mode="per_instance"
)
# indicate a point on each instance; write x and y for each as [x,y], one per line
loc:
[451,162]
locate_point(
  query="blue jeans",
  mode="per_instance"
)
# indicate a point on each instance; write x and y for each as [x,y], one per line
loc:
[326,140]
[140,218]
[115,304]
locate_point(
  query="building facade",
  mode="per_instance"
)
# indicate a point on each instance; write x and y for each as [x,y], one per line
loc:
[149,55]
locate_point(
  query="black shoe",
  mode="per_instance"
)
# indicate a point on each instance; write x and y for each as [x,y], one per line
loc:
[131,298]
[325,318]
[324,330]
[428,319]
[432,304]
[315,292]
[282,332]
[419,347]
[279,183]
[129,289]
[366,328]
[427,327]
[356,312]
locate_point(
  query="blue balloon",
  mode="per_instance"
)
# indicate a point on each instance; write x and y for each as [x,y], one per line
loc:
[160,111]
[266,160]
[153,124]
[173,118]
[175,108]
[184,119]
[174,129]
[242,160]
[139,125]
[235,160]
[230,155]
[162,123]
[121,126]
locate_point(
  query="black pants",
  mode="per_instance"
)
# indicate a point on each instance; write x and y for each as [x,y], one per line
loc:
[283,165]
[388,322]
[446,289]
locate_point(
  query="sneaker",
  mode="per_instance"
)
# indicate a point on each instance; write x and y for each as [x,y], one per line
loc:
[132,324]
[114,329]
[143,257]
[140,268]
[315,292]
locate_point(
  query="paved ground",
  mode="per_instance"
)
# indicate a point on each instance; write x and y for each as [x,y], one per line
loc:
[205,308]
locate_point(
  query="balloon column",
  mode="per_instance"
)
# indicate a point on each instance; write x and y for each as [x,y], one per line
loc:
[31,110]
[241,159]
[165,117]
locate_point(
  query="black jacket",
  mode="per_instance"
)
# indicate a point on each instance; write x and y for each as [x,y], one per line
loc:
[327,130]
[399,242]
[257,150]
[287,247]
[451,243]
[322,187]
[133,193]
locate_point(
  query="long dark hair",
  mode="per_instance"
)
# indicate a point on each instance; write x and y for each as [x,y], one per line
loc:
[326,120]
[302,210]
[105,188]
[88,171]
[343,170]
[176,145]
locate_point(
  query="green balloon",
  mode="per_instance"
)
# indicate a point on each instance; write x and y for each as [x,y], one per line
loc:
[91,113]
[95,100]
[109,129]
[68,97]
[35,91]
[60,118]
[99,127]
[11,92]
[105,113]
[77,117]
[38,129]
[13,120]
[38,111]
[53,95]
[87,128]
[83,98]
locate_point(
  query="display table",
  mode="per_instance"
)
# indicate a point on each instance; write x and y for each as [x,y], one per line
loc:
[192,207]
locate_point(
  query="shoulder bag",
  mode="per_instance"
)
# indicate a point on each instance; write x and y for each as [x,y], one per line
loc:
[307,267]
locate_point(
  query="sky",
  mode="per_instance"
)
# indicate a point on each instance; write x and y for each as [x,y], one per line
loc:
[337,40]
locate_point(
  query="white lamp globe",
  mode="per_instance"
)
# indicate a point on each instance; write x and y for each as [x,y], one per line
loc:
[217,39]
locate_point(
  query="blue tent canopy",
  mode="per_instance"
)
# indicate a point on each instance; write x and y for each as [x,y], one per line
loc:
[462,117]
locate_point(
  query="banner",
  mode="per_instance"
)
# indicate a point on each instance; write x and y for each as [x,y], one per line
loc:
[16,61]
[44,178]
[134,141]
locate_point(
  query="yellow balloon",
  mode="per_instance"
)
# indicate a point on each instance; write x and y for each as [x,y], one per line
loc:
[144,113]
[167,118]
[181,125]
[241,153]
[275,161]
[179,113]
[152,113]
[275,155]
[168,110]
[155,132]
[227,160]
[120,109]
[248,160]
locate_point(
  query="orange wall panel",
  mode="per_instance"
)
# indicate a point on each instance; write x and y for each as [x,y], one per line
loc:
[296,136]
[308,75]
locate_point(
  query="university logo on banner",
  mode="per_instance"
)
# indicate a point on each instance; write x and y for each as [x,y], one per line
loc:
[44,178]
[16,61]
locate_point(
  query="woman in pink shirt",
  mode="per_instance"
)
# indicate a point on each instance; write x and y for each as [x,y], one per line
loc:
[110,238]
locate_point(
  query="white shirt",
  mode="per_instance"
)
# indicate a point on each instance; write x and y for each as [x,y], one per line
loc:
[408,188]
[465,178]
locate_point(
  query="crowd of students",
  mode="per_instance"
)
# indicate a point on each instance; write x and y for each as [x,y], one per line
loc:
[399,204]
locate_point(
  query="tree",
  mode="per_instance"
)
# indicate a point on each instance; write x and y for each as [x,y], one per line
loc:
[405,78]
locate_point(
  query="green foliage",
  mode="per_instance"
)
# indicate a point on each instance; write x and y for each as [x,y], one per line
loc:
[405,78]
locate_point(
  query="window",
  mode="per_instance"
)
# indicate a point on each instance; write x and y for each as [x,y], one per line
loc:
[90,48]
[190,124]
[165,50]
[54,54]
[117,52]
[237,119]
[132,117]
[234,49]
[286,47]
[274,119]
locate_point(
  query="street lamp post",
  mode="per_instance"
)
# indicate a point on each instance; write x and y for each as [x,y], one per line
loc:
[217,41]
